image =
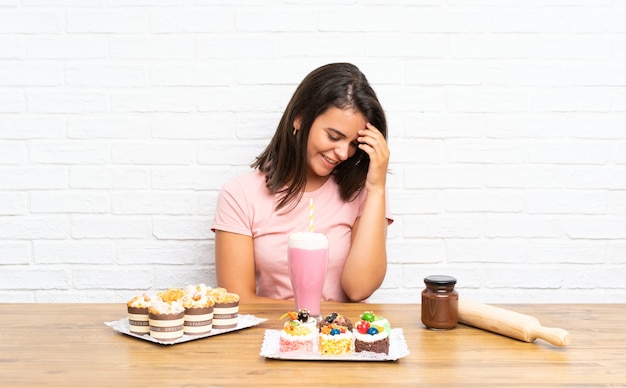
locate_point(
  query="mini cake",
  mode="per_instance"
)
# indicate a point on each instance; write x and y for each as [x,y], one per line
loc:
[198,310]
[225,309]
[167,319]
[138,314]
[335,335]
[298,333]
[371,334]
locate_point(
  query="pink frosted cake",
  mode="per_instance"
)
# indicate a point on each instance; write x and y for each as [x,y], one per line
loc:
[371,334]
[138,314]
[335,335]
[198,310]
[298,333]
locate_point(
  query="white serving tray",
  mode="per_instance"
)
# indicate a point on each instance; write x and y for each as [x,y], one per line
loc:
[244,322]
[397,350]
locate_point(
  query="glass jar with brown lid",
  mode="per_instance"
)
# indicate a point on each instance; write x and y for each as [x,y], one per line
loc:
[440,302]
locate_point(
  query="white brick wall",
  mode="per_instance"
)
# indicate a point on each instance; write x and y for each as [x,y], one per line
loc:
[120,120]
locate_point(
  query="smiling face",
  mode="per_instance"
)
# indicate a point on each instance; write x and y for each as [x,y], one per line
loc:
[332,139]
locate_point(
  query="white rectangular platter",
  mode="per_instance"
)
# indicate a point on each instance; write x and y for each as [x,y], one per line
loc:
[397,350]
[244,322]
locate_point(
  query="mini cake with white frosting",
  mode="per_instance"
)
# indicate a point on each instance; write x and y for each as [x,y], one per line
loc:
[335,335]
[298,333]
[138,320]
[198,310]
[371,334]
[166,318]
[226,308]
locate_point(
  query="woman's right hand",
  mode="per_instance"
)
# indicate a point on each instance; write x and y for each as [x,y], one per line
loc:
[372,142]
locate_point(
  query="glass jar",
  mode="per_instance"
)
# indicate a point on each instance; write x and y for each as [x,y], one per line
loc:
[440,302]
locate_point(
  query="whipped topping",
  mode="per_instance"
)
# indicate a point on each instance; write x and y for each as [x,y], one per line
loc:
[140,301]
[199,288]
[197,299]
[158,306]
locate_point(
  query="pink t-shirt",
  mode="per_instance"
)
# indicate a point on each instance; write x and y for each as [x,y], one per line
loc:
[245,206]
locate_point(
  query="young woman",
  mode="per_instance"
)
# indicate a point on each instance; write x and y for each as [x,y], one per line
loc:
[330,145]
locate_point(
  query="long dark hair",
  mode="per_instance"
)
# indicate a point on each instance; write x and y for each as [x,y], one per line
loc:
[284,160]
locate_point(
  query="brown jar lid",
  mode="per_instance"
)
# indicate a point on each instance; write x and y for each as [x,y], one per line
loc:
[439,280]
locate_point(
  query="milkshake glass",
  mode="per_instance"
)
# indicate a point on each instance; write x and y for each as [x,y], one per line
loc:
[307,255]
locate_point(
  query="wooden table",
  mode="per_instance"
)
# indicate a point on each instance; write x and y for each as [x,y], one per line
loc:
[69,345]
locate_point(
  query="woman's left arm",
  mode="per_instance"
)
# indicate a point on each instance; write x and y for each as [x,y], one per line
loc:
[366,265]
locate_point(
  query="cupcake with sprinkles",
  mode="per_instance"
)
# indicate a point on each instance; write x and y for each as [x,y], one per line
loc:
[371,334]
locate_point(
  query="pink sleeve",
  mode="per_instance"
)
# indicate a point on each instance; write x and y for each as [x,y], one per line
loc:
[232,211]
[388,209]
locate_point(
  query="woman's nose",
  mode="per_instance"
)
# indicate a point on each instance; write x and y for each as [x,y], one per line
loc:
[343,151]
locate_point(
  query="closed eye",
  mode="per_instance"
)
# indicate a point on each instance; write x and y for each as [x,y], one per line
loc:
[335,135]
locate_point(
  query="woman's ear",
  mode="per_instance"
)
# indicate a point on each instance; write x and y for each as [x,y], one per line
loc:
[297,122]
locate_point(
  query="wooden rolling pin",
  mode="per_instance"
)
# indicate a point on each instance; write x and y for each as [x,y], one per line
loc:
[509,323]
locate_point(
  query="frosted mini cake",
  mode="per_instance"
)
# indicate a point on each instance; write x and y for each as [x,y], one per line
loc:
[371,334]
[167,315]
[335,335]
[298,333]
[225,309]
[198,310]
[138,314]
